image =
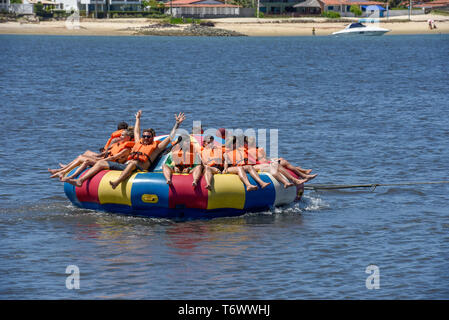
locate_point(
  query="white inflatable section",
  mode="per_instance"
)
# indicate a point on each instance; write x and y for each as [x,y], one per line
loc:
[283,196]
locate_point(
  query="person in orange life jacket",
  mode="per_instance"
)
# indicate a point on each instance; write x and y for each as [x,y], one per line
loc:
[212,160]
[146,149]
[118,153]
[183,158]
[235,164]
[261,162]
[89,155]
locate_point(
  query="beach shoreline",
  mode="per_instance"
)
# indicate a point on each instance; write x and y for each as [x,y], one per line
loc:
[246,26]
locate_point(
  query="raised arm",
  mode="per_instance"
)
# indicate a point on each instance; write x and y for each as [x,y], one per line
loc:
[137,126]
[179,119]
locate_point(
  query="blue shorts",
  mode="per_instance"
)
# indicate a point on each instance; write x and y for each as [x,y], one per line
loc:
[121,166]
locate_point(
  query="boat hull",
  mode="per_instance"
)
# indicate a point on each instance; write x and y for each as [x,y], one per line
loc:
[147,194]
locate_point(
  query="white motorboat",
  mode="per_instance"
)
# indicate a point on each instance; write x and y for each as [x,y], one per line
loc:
[357,28]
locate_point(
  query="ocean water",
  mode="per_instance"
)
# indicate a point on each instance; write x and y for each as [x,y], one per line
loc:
[357,111]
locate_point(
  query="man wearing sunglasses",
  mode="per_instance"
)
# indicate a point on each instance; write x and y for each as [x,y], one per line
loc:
[145,149]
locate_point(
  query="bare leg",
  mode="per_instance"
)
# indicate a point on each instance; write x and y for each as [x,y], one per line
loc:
[242,175]
[208,174]
[290,177]
[168,172]
[196,172]
[71,166]
[279,177]
[208,177]
[298,170]
[100,165]
[80,169]
[125,174]
[252,172]
[87,154]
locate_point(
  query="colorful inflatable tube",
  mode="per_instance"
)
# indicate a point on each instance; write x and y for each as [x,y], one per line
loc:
[147,194]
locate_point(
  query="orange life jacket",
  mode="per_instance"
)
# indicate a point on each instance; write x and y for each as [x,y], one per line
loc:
[182,157]
[255,155]
[142,152]
[236,156]
[115,134]
[118,147]
[212,157]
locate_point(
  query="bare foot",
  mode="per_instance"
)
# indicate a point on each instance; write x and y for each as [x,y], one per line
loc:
[113,184]
[288,185]
[264,185]
[251,188]
[53,171]
[299,181]
[194,184]
[169,182]
[308,171]
[312,176]
[57,175]
[62,165]
[208,187]
[74,182]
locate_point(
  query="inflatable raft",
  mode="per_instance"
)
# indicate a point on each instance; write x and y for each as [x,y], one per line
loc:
[147,194]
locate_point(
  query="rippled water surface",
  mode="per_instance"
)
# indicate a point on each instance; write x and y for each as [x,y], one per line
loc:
[357,111]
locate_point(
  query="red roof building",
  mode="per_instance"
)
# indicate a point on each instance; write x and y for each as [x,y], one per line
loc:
[201,9]
[433,4]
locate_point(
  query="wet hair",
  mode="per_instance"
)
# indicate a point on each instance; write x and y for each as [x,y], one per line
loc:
[122,125]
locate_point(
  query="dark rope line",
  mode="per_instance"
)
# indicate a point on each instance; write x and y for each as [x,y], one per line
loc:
[373,186]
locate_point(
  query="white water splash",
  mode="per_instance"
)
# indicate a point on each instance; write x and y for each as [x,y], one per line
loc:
[312,203]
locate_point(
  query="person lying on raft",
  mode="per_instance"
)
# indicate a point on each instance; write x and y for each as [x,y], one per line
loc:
[117,154]
[146,150]
[183,158]
[90,155]
[212,160]
[258,158]
[235,164]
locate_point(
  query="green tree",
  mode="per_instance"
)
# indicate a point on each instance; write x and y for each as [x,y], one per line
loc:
[356,10]
[153,4]
[16,1]
[244,3]
[39,9]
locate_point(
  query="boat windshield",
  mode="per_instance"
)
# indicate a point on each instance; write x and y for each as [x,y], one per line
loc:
[356,25]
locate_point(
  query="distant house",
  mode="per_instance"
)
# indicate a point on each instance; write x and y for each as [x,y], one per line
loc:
[278,6]
[344,6]
[4,5]
[437,4]
[201,9]
[308,7]
[109,5]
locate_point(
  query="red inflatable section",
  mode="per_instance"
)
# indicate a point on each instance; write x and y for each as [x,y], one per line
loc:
[88,192]
[181,193]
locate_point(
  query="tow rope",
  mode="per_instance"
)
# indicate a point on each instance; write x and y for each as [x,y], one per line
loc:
[373,186]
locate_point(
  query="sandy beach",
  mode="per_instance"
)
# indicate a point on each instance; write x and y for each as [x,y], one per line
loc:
[246,26]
